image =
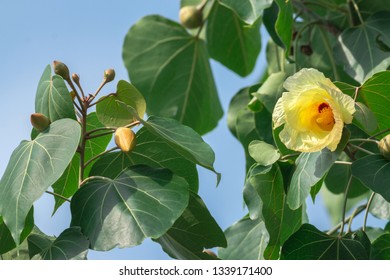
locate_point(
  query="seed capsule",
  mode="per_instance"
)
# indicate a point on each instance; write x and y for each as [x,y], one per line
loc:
[61,69]
[39,121]
[109,75]
[191,17]
[125,139]
[384,146]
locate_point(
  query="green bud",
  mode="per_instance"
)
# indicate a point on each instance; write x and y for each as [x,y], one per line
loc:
[384,146]
[76,78]
[109,75]
[39,121]
[125,139]
[191,17]
[61,69]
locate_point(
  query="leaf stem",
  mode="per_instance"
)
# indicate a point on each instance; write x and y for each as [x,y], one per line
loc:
[363,140]
[361,149]
[91,178]
[343,162]
[367,210]
[99,155]
[358,210]
[100,100]
[345,205]
[355,6]
[289,156]
[354,213]
[99,135]
[97,92]
[380,133]
[58,195]
[329,51]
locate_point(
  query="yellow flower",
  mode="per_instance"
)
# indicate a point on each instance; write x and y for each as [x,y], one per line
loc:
[313,112]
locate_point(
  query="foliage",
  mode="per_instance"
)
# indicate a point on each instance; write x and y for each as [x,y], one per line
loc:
[121,195]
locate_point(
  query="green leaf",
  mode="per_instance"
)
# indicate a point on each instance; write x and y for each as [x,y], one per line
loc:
[140,202]
[21,252]
[337,179]
[284,23]
[248,10]
[380,249]
[53,98]
[171,69]
[195,230]
[271,90]
[110,113]
[232,42]
[359,50]
[71,244]
[246,239]
[7,243]
[265,197]
[247,125]
[308,243]
[150,150]
[183,139]
[270,17]
[365,117]
[375,94]
[263,153]
[68,183]
[380,208]
[311,167]
[33,167]
[374,172]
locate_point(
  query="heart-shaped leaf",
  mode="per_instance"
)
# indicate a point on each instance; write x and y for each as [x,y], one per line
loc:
[309,243]
[248,10]
[150,150]
[231,41]
[110,113]
[171,69]
[263,153]
[381,248]
[33,167]
[71,244]
[246,240]
[195,230]
[374,172]
[140,202]
[53,98]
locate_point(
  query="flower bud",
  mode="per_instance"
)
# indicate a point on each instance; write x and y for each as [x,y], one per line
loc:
[109,75]
[61,69]
[191,17]
[76,78]
[73,95]
[384,146]
[125,139]
[39,121]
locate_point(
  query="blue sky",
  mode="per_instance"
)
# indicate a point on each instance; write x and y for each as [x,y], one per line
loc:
[88,36]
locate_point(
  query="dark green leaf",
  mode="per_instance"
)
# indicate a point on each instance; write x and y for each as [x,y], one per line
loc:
[263,153]
[195,230]
[53,98]
[183,139]
[265,197]
[7,243]
[311,167]
[71,244]
[284,23]
[359,50]
[110,113]
[308,243]
[271,90]
[140,202]
[150,150]
[380,249]
[269,18]
[375,94]
[248,10]
[68,183]
[365,117]
[33,167]
[246,239]
[231,41]
[374,172]
[171,69]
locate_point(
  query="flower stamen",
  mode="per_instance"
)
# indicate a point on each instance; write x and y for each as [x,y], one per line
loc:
[325,119]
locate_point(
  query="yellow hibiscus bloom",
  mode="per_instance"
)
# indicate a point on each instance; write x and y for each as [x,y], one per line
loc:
[313,112]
